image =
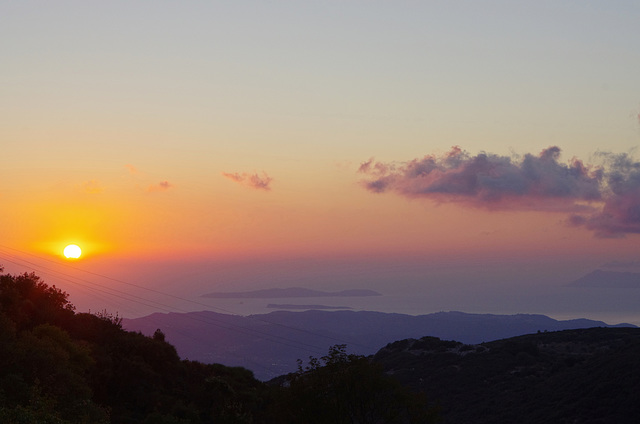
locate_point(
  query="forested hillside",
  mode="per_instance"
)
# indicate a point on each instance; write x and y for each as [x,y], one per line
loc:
[62,367]
[572,376]
[58,366]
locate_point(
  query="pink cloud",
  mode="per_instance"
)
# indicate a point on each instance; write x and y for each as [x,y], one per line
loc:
[235,176]
[488,180]
[250,180]
[620,214]
[605,199]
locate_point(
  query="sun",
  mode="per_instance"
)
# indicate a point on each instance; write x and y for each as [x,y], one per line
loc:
[72,251]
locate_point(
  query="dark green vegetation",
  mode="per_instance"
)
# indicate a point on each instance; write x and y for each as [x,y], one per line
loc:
[341,388]
[62,367]
[58,366]
[572,376]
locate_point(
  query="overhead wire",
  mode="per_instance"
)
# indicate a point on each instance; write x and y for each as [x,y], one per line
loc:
[208,306]
[178,331]
[167,308]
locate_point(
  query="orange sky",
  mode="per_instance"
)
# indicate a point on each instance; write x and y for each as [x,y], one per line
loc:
[202,133]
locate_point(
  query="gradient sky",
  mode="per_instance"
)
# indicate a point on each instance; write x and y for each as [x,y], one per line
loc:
[237,141]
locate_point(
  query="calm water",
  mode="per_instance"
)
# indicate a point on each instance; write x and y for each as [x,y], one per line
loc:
[610,306]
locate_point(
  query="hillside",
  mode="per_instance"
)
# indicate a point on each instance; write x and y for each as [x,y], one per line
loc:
[270,344]
[573,376]
[62,367]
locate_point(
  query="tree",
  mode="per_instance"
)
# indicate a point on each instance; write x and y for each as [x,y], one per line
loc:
[351,389]
[158,335]
[28,301]
[56,368]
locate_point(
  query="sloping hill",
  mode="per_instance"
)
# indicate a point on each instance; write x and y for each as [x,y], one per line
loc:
[573,376]
[62,367]
[270,344]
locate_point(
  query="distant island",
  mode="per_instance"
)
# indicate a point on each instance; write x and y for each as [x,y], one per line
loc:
[608,279]
[290,292]
[291,306]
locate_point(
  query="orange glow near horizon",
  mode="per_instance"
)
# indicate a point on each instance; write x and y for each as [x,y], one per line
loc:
[184,222]
[177,227]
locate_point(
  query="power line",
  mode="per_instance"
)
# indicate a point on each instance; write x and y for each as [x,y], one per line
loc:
[167,308]
[253,363]
[140,300]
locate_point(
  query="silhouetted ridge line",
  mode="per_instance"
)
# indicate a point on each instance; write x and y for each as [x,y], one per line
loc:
[167,308]
[366,328]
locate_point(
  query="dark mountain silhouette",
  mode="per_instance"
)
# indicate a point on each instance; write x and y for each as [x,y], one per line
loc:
[608,279]
[572,376]
[270,344]
[290,292]
[62,367]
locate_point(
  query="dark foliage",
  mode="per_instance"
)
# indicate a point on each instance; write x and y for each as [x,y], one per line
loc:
[572,376]
[28,302]
[44,373]
[62,367]
[342,388]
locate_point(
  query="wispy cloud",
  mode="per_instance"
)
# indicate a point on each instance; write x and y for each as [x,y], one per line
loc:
[132,169]
[258,182]
[234,176]
[141,180]
[161,186]
[604,198]
[92,187]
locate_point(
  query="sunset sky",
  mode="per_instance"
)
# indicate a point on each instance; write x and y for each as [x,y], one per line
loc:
[454,148]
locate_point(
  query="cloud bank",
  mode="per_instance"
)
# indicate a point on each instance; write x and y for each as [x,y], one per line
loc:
[620,213]
[604,198]
[251,180]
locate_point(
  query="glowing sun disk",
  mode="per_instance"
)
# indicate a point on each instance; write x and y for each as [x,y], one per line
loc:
[72,251]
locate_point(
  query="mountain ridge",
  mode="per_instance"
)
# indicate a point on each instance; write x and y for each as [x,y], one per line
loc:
[270,344]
